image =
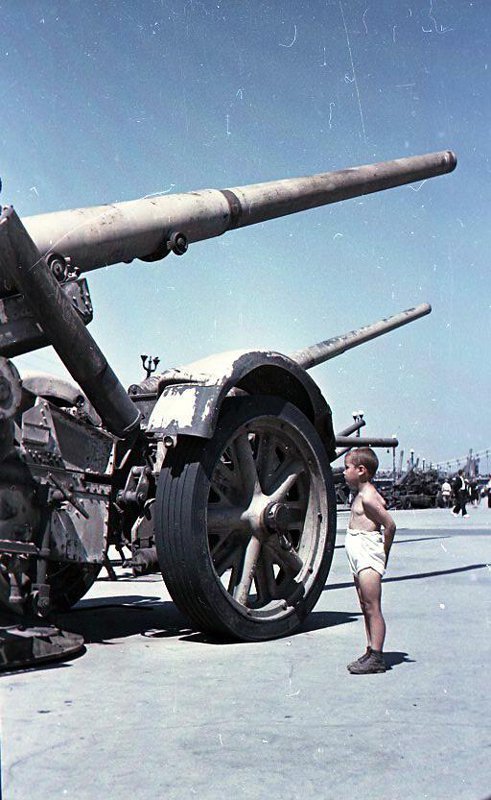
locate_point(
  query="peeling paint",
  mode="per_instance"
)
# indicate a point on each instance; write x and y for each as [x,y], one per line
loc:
[191,396]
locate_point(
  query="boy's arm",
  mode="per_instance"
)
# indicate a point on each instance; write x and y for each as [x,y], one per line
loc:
[377,513]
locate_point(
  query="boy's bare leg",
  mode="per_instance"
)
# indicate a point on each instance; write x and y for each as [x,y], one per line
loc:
[370,583]
[362,606]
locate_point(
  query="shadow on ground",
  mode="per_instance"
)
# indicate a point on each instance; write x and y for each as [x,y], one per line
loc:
[393,658]
[316,620]
[100,621]
[412,577]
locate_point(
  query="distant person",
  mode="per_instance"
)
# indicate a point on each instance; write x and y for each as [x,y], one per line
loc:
[474,492]
[461,494]
[368,553]
[446,493]
[487,489]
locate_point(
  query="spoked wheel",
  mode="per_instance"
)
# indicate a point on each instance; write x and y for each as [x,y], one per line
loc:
[246,522]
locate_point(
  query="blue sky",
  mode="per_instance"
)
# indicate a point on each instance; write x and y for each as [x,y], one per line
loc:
[109,101]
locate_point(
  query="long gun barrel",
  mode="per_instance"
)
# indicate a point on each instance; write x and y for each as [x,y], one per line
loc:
[316,354]
[150,227]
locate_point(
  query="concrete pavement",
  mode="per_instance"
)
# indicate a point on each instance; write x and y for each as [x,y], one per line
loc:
[153,709]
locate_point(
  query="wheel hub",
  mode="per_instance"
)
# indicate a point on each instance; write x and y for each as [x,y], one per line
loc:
[276,517]
[261,497]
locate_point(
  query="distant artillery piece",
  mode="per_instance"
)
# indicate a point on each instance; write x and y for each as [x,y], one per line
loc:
[417,489]
[222,467]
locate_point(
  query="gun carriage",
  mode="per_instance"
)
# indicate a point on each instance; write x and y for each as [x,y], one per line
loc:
[219,470]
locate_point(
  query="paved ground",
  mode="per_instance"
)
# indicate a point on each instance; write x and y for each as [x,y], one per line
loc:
[152,709]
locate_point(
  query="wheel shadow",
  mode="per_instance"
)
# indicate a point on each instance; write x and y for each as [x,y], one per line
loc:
[100,621]
[317,620]
[103,620]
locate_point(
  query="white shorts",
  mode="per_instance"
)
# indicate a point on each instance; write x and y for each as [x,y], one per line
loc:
[365,549]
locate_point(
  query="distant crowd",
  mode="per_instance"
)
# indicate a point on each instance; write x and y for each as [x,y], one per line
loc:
[463,490]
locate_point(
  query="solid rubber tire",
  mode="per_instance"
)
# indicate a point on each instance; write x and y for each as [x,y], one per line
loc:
[181,534]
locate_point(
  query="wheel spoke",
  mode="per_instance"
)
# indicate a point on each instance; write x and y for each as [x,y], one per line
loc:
[286,478]
[268,574]
[266,459]
[288,560]
[261,575]
[225,518]
[227,554]
[264,567]
[224,478]
[250,560]
[226,484]
[246,464]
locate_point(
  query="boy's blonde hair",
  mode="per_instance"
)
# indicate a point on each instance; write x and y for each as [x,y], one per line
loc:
[364,457]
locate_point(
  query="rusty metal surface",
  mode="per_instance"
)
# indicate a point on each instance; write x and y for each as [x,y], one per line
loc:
[77,533]
[10,400]
[54,494]
[51,436]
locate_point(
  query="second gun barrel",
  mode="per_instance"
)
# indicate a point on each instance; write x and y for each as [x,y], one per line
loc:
[316,354]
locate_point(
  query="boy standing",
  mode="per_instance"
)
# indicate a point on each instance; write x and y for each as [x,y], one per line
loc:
[368,553]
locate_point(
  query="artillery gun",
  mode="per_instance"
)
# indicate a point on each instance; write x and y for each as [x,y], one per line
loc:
[219,469]
[417,488]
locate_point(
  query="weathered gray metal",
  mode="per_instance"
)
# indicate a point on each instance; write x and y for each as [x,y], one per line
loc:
[28,271]
[19,331]
[149,228]
[228,478]
[10,390]
[354,428]
[10,400]
[23,646]
[316,354]
[366,441]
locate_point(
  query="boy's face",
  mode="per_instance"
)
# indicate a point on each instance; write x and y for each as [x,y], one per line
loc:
[353,475]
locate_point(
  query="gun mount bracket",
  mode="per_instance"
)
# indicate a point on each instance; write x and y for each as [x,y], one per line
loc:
[178,243]
[19,331]
[61,267]
[175,242]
